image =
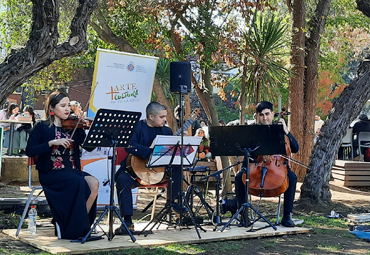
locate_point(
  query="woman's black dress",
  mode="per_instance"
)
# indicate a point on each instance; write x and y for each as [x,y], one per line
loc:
[65,187]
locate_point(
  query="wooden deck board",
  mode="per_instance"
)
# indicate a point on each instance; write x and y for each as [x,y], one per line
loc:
[45,240]
[351,173]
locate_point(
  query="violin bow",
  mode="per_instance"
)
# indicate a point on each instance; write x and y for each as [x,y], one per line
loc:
[295,161]
[80,115]
[283,109]
[82,112]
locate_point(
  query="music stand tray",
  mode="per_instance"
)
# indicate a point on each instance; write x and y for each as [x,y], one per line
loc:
[247,141]
[111,128]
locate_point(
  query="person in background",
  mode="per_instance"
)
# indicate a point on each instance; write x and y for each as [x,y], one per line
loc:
[194,127]
[222,122]
[3,113]
[363,125]
[204,128]
[25,129]
[11,114]
[318,124]
[70,192]
[203,153]
[76,109]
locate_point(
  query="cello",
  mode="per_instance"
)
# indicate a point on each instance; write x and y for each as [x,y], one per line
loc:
[268,175]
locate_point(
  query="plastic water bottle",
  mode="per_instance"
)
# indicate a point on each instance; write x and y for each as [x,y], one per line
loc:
[32,215]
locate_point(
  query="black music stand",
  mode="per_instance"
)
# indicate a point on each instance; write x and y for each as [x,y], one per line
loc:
[168,155]
[111,128]
[252,140]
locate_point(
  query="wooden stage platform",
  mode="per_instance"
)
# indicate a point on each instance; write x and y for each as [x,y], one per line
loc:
[45,240]
[351,173]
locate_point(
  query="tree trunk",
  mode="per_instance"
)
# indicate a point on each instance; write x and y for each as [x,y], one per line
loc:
[316,27]
[315,189]
[209,99]
[296,82]
[243,97]
[201,97]
[303,112]
[42,47]
[364,6]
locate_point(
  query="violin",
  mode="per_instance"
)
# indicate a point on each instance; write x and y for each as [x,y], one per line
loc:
[75,123]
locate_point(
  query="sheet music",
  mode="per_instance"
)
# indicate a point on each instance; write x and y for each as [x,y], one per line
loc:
[164,147]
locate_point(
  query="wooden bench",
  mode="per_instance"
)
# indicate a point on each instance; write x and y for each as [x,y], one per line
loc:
[351,173]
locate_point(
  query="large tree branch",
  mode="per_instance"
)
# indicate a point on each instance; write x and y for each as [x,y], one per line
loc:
[42,47]
[107,35]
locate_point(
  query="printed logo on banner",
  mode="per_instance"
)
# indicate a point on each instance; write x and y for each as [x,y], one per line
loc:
[123,91]
[130,66]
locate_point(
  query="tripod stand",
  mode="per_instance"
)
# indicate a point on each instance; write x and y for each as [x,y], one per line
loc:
[244,208]
[104,135]
[193,190]
[252,140]
[167,210]
[173,160]
[216,219]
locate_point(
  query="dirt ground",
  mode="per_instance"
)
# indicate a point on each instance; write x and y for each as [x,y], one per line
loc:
[325,240]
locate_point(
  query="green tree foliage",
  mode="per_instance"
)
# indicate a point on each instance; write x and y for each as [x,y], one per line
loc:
[346,35]
[265,47]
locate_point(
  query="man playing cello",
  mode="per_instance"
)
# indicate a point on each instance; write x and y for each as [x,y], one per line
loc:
[264,116]
[144,134]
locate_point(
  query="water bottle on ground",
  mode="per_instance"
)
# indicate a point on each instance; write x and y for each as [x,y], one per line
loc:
[32,215]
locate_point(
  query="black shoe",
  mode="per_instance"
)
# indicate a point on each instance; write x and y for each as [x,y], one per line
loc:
[287,222]
[123,231]
[176,208]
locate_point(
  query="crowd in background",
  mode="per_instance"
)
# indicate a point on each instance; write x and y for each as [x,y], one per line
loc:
[21,131]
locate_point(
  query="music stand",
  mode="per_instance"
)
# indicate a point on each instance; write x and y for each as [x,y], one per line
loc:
[168,152]
[111,128]
[252,140]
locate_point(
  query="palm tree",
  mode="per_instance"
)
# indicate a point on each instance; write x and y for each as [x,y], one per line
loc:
[163,76]
[263,48]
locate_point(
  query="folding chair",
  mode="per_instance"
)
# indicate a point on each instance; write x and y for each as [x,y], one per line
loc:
[278,209]
[347,142]
[363,142]
[122,154]
[155,193]
[31,162]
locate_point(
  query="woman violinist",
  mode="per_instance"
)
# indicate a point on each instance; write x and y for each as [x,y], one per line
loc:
[264,116]
[70,192]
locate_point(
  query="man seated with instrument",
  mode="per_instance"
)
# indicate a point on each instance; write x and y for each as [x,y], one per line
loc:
[126,179]
[264,116]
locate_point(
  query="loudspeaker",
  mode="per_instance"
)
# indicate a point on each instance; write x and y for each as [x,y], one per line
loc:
[180,75]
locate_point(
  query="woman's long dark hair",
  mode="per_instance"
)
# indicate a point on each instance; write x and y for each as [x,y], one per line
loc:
[11,107]
[53,99]
[29,109]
